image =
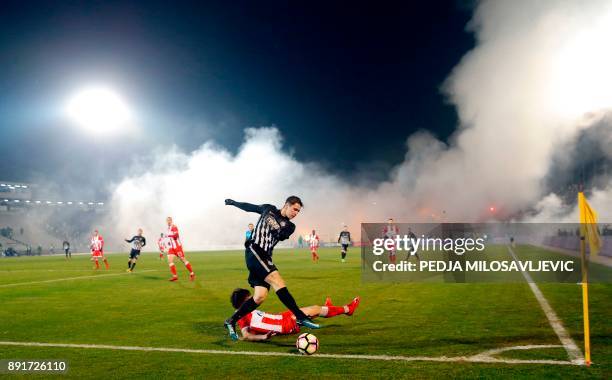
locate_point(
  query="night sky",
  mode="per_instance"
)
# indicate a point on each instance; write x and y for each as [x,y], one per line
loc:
[345,83]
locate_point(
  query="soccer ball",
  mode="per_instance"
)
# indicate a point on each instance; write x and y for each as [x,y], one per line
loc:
[307,344]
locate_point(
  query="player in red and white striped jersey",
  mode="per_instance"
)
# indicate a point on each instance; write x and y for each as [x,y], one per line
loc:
[313,240]
[97,249]
[161,244]
[391,231]
[259,325]
[175,249]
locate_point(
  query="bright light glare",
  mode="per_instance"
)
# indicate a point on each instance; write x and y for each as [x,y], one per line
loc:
[582,73]
[99,109]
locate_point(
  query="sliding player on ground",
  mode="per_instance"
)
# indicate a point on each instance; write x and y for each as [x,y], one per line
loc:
[273,226]
[345,240]
[138,241]
[97,250]
[313,240]
[176,250]
[258,325]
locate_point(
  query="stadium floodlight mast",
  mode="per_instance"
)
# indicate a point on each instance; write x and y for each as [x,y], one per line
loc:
[99,110]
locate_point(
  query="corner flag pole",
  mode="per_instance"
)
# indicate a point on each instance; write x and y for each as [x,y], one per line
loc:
[588,220]
[585,302]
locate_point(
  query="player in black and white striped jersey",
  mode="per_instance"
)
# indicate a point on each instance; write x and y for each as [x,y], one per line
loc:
[273,226]
[138,241]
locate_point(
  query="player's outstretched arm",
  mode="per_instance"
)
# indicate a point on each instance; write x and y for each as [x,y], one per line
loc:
[246,335]
[248,207]
[129,241]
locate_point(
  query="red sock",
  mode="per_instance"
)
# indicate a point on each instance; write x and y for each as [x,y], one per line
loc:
[97,264]
[161,255]
[332,311]
[188,266]
[173,270]
[106,263]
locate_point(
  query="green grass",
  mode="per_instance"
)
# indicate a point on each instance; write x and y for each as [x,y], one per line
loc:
[408,319]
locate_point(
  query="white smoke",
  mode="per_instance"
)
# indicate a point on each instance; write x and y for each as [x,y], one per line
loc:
[539,75]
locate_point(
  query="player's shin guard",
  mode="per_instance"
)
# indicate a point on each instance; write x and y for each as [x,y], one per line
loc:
[287,299]
[172,269]
[332,311]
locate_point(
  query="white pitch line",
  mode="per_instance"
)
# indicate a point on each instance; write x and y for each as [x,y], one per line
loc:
[471,359]
[570,346]
[73,278]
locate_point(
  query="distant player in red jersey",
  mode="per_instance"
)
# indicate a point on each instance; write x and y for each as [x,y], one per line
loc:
[97,249]
[175,248]
[313,240]
[259,325]
[161,244]
[391,231]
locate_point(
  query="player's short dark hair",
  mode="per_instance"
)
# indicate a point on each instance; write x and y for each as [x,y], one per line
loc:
[239,295]
[294,199]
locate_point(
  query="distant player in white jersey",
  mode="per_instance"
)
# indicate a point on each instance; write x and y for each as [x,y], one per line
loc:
[391,231]
[96,245]
[161,245]
[313,241]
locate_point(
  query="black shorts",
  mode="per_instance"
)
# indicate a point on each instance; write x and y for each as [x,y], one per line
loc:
[345,247]
[134,253]
[259,266]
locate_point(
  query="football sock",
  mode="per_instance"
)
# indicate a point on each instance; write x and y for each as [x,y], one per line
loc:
[173,269]
[106,263]
[332,311]
[97,264]
[287,299]
[133,265]
[188,266]
[343,255]
[244,309]
[129,264]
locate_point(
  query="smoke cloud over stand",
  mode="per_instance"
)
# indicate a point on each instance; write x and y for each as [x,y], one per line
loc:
[537,78]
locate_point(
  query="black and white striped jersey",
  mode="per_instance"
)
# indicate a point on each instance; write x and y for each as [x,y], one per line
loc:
[344,238]
[271,227]
[137,242]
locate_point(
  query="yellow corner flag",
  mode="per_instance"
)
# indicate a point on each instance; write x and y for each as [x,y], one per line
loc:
[588,224]
[590,233]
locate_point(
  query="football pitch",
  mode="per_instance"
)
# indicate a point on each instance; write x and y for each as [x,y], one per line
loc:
[134,325]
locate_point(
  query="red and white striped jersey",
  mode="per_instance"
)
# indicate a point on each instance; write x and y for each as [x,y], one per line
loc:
[259,322]
[390,231]
[162,243]
[173,237]
[313,240]
[97,243]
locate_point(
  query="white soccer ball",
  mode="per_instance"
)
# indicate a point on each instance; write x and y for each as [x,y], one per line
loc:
[307,344]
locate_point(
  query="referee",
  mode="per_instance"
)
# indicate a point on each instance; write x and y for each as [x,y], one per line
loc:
[138,241]
[274,225]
